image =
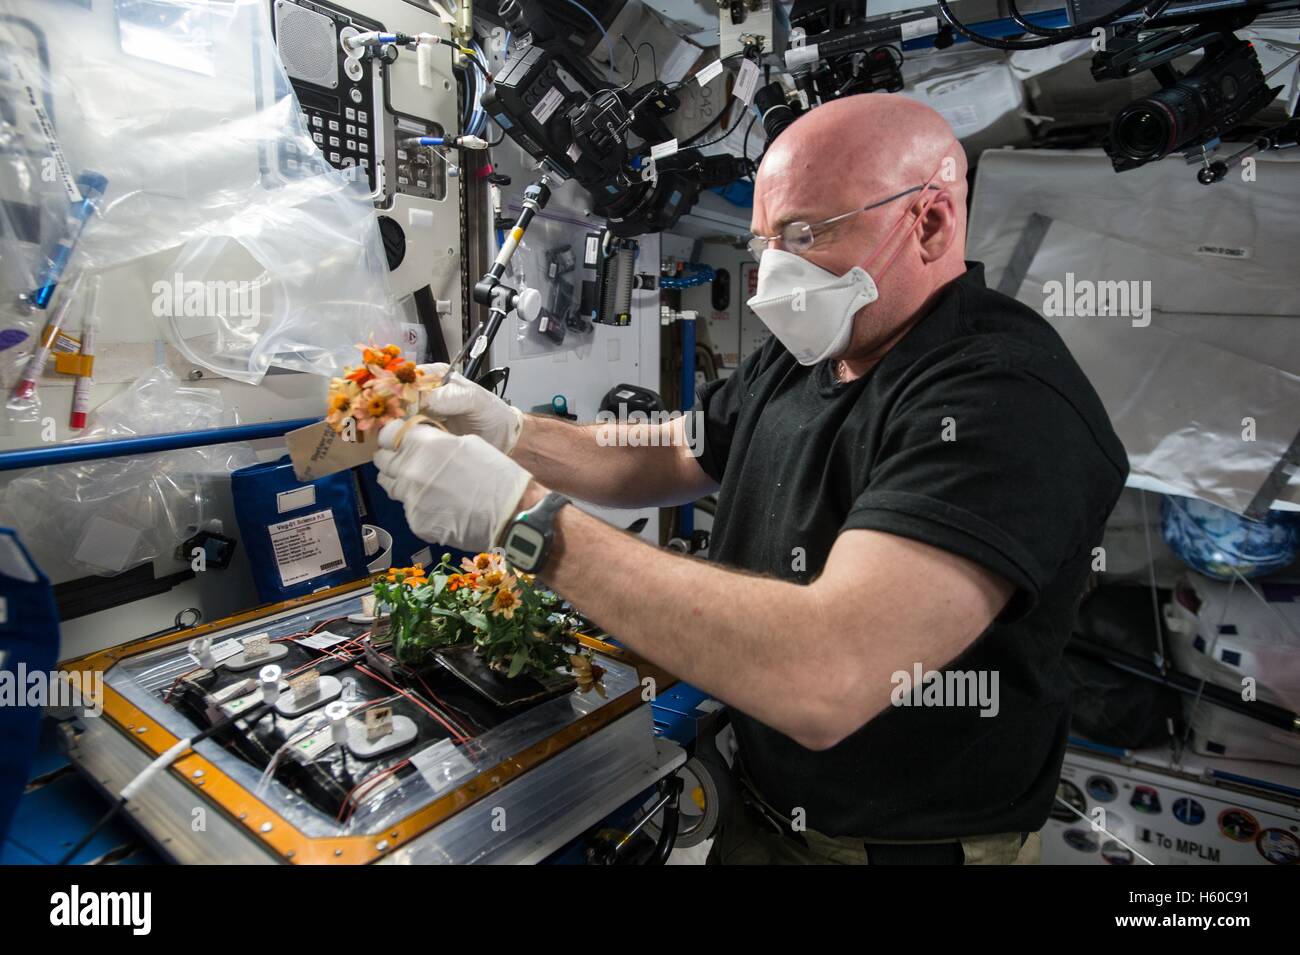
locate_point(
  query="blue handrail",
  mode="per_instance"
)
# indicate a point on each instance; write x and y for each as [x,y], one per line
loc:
[147,444]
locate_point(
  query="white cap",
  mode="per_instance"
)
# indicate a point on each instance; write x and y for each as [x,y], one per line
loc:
[338,717]
[201,649]
[270,677]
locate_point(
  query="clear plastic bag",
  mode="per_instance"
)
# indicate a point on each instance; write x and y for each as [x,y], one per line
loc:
[550,260]
[37,186]
[313,284]
[106,516]
[37,194]
[183,108]
[19,328]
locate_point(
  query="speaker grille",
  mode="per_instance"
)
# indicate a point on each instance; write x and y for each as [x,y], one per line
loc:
[307,44]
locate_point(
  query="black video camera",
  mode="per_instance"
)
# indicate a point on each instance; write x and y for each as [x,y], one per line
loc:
[1220,92]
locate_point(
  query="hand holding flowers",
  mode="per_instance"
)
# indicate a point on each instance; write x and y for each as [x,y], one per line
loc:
[384,387]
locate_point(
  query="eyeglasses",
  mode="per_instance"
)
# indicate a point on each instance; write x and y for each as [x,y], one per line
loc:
[798,237]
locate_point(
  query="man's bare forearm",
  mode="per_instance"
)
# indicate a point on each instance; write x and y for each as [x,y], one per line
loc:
[615,465]
[814,661]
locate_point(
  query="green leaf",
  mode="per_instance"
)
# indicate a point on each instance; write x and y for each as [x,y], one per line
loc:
[516,664]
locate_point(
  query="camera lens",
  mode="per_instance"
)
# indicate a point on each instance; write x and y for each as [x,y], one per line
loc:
[776,112]
[1156,125]
[1142,131]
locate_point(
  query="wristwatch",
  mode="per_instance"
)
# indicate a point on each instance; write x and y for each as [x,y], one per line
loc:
[530,536]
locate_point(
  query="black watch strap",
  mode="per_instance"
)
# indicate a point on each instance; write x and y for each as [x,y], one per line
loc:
[542,514]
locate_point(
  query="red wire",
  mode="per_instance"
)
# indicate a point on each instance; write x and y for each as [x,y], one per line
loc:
[451,711]
[176,682]
[369,781]
[456,734]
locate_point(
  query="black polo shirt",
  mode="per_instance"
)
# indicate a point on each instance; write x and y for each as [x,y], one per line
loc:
[976,433]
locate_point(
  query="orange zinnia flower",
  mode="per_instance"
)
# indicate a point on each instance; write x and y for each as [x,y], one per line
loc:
[481,562]
[504,604]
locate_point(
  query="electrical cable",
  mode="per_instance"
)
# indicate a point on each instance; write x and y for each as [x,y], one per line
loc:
[455,733]
[609,46]
[716,119]
[708,126]
[636,71]
[1078,31]
[478,119]
[654,57]
[158,765]
[688,79]
[368,781]
[1018,19]
[474,61]
[744,148]
[732,129]
[315,722]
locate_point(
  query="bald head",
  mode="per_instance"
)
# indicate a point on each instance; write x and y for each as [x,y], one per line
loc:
[855,151]
[858,146]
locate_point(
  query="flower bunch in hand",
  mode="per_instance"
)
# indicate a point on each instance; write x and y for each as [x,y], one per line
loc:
[384,387]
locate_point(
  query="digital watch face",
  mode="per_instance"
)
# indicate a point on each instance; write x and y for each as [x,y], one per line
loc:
[524,546]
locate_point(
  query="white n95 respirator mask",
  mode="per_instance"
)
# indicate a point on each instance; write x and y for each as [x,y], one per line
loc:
[809,309]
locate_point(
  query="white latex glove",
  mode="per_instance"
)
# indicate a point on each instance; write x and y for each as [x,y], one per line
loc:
[465,408]
[457,489]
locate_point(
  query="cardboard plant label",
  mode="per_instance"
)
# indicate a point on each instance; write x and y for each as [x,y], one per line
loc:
[257,646]
[379,722]
[318,450]
[305,686]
